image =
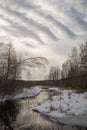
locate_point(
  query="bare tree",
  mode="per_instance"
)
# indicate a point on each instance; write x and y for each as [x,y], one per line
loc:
[74,70]
[83,57]
[11,65]
[74,62]
[65,69]
[54,73]
[8,62]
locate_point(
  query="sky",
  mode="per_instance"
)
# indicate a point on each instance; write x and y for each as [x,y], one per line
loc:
[48,28]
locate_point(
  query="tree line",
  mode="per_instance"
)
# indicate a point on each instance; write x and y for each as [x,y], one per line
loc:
[12,64]
[74,70]
[73,73]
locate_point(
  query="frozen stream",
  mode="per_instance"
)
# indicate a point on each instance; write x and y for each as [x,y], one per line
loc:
[17,114]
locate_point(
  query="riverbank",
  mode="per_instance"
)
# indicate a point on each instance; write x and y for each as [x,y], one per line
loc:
[20,105]
[22,93]
[68,107]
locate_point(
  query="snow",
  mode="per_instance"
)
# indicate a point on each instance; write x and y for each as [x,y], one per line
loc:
[23,93]
[28,92]
[68,107]
[53,89]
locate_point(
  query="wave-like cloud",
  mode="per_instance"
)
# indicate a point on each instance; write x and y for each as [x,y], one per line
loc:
[46,23]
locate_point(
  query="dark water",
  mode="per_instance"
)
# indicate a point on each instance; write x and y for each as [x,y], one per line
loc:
[18,115]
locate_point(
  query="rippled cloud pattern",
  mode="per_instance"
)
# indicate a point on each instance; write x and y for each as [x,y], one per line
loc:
[45,26]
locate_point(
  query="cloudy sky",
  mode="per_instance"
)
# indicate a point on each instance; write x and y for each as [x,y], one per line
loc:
[47,28]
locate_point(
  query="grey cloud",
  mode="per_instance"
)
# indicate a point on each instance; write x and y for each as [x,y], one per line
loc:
[20,31]
[22,3]
[64,29]
[75,23]
[27,44]
[56,23]
[29,21]
[59,25]
[77,17]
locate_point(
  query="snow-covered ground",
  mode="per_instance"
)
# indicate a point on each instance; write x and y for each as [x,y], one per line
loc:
[67,107]
[23,93]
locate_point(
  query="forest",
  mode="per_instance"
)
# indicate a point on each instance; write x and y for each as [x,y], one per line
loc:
[73,73]
[74,70]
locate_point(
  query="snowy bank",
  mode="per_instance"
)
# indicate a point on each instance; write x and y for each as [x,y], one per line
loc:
[23,93]
[68,107]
